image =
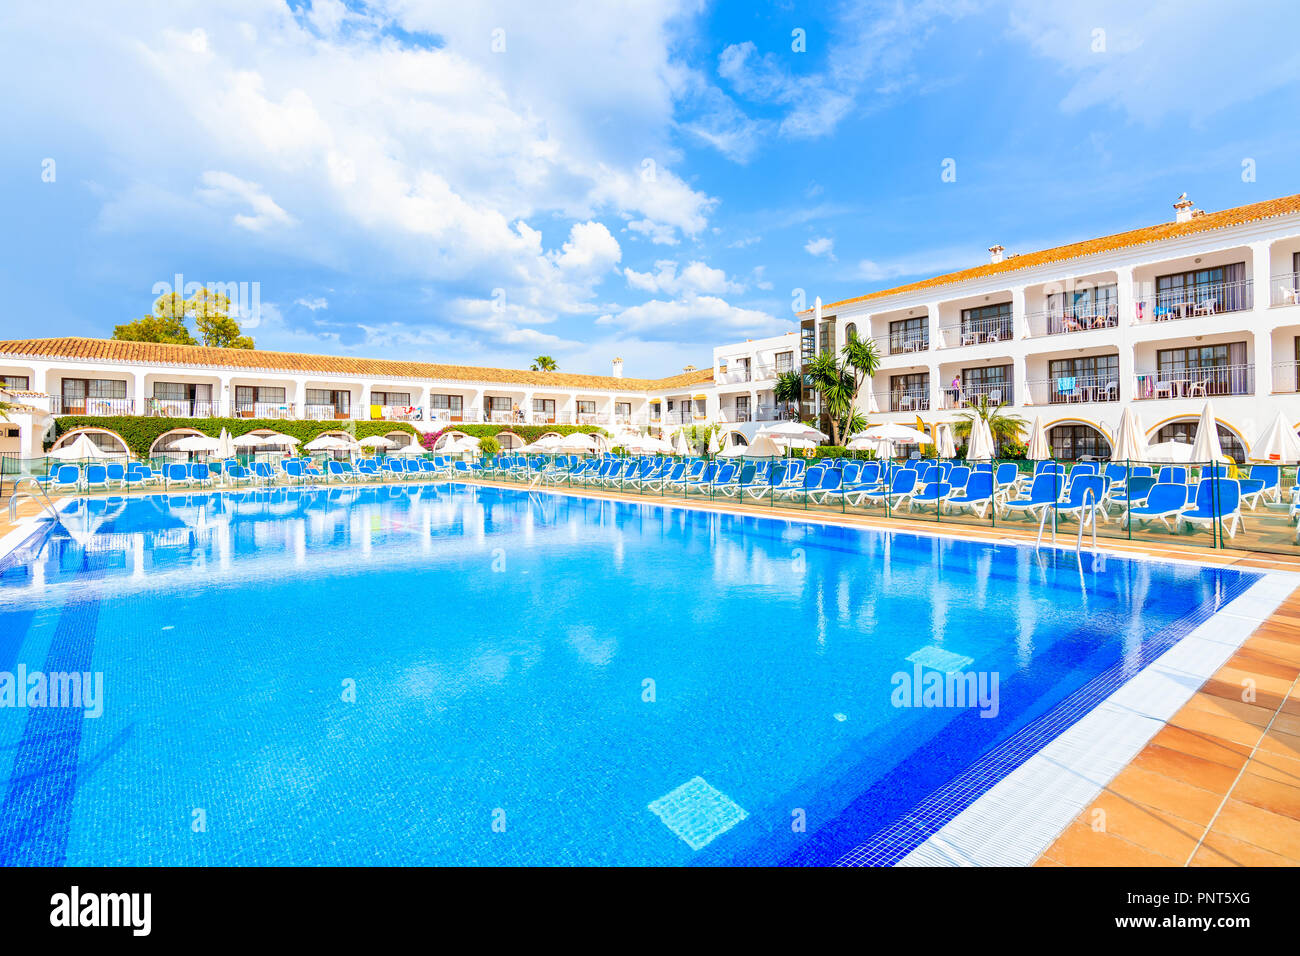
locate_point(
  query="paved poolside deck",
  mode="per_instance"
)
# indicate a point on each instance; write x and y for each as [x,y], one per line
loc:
[1219,785]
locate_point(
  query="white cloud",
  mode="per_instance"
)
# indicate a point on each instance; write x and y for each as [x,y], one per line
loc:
[224,189]
[703,317]
[697,277]
[315,304]
[821,246]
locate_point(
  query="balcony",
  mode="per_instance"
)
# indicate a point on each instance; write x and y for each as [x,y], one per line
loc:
[1202,382]
[1212,298]
[1286,377]
[904,344]
[61,405]
[1077,319]
[741,375]
[264,410]
[904,400]
[975,332]
[1073,390]
[998,393]
[763,413]
[1285,289]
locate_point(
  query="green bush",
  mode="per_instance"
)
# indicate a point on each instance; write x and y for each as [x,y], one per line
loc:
[488,445]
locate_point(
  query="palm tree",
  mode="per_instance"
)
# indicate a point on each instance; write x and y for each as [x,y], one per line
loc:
[544,363]
[788,388]
[839,384]
[1003,427]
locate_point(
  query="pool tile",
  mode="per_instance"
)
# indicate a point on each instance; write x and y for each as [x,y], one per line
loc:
[697,812]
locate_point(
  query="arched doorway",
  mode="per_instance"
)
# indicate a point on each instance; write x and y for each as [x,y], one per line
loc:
[1184,430]
[1073,440]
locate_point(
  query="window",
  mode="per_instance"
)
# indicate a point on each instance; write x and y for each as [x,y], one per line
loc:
[850,332]
[452,406]
[1225,288]
[742,408]
[92,396]
[1077,441]
[339,400]
[826,338]
[390,398]
[784,362]
[544,408]
[623,411]
[1185,432]
[909,393]
[499,407]
[1089,307]
[742,366]
[248,397]
[589,408]
[807,343]
[1094,377]
[19,383]
[1205,370]
[987,323]
[993,381]
[909,335]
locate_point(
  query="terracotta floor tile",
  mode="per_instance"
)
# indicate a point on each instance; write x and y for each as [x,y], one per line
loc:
[1273,650]
[1262,682]
[1197,771]
[1250,713]
[1286,745]
[1268,794]
[1147,827]
[1080,845]
[1229,728]
[1268,831]
[1219,849]
[1258,666]
[1287,724]
[1205,746]
[1276,767]
[1166,793]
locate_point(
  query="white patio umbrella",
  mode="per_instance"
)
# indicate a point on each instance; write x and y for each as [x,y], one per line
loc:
[330,443]
[648,444]
[1277,443]
[733,450]
[81,447]
[546,445]
[249,440]
[681,446]
[578,444]
[944,443]
[377,441]
[280,439]
[463,445]
[893,432]
[198,443]
[1206,446]
[1040,449]
[762,447]
[713,448]
[1170,451]
[787,430]
[981,442]
[1130,439]
[225,446]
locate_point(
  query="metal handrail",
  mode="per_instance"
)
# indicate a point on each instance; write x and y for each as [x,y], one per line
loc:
[1090,502]
[48,502]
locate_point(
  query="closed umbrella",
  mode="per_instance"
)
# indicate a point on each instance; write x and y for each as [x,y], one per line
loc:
[1170,451]
[225,446]
[945,446]
[1206,446]
[981,442]
[1277,443]
[681,446]
[1130,438]
[1039,447]
[713,441]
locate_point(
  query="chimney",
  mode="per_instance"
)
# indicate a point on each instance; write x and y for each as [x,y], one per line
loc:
[689,368]
[1183,209]
[995,254]
[618,368]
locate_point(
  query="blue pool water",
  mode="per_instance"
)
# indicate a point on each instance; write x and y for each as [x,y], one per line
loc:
[538,678]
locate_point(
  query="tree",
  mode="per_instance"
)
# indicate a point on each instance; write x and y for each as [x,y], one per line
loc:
[788,388]
[544,363]
[210,311]
[155,328]
[1005,428]
[839,384]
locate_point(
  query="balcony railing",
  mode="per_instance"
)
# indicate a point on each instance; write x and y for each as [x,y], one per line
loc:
[738,375]
[1193,302]
[1201,382]
[905,400]
[900,343]
[999,393]
[976,332]
[1074,389]
[62,405]
[1285,289]
[1075,319]
[1286,377]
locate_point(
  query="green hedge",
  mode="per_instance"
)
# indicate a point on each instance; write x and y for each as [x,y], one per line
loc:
[139,432]
[529,433]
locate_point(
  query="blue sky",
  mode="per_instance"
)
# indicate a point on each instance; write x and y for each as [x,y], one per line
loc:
[644,179]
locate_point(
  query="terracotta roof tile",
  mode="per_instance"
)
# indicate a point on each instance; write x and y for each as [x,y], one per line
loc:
[1236,216]
[153,353]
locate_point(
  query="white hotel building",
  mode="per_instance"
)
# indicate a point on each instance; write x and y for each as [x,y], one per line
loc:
[1206,306]
[1163,317]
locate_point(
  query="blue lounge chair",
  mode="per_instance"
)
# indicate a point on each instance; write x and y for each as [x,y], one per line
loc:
[65,478]
[1217,500]
[1264,482]
[810,482]
[1164,502]
[977,497]
[199,474]
[933,493]
[337,470]
[1172,474]
[1133,492]
[1043,494]
[1086,497]
[178,474]
[828,487]
[96,476]
[900,486]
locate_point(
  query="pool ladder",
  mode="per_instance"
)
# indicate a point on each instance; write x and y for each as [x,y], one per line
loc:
[39,495]
[1087,518]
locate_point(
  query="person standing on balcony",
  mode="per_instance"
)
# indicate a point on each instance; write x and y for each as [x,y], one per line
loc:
[955,390]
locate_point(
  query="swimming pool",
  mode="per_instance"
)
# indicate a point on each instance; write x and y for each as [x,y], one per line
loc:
[458,674]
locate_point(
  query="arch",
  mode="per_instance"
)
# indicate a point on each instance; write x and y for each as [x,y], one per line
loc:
[1183,428]
[399,438]
[107,439]
[160,445]
[1074,438]
[448,436]
[508,440]
[850,332]
[735,437]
